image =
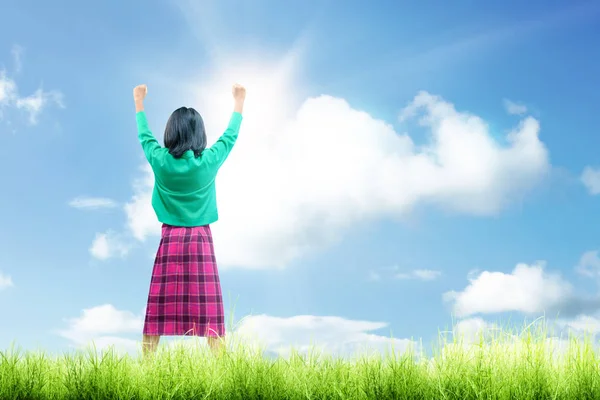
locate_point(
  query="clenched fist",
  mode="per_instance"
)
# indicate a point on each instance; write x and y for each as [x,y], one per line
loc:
[139,92]
[239,92]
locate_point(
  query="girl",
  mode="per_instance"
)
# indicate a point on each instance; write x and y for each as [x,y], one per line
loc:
[185,291]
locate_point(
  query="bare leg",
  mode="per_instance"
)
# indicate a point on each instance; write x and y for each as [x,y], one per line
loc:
[149,344]
[216,344]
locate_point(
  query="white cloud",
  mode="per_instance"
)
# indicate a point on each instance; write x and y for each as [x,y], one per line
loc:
[392,272]
[104,326]
[528,289]
[141,219]
[589,264]
[303,172]
[514,108]
[329,335]
[591,179]
[92,203]
[421,274]
[34,103]
[426,274]
[108,245]
[8,89]
[5,281]
[582,324]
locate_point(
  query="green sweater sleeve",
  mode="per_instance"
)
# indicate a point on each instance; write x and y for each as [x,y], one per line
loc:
[149,143]
[217,154]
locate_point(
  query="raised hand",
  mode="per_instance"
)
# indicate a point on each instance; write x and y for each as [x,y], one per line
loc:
[239,92]
[139,93]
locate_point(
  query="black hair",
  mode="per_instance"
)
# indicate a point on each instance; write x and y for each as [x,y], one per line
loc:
[185,131]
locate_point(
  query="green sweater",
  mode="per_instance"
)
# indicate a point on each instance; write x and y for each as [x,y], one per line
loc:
[184,189]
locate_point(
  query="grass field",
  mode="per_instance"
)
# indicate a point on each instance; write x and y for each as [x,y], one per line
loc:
[502,366]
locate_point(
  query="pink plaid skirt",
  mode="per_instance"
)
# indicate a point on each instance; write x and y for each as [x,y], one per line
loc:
[185,291]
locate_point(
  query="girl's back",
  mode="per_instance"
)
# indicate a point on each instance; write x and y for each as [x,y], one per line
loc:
[184,187]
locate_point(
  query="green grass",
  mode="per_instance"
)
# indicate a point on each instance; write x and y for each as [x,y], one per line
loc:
[498,366]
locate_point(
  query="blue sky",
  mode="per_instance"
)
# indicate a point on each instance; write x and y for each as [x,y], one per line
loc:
[341,221]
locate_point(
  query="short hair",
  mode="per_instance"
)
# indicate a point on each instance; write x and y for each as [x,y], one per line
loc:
[185,131]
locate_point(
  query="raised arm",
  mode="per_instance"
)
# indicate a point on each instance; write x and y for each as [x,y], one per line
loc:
[149,143]
[216,155]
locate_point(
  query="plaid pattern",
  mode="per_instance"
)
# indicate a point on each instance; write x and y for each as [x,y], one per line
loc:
[185,291]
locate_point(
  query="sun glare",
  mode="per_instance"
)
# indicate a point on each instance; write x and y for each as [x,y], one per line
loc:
[272,93]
